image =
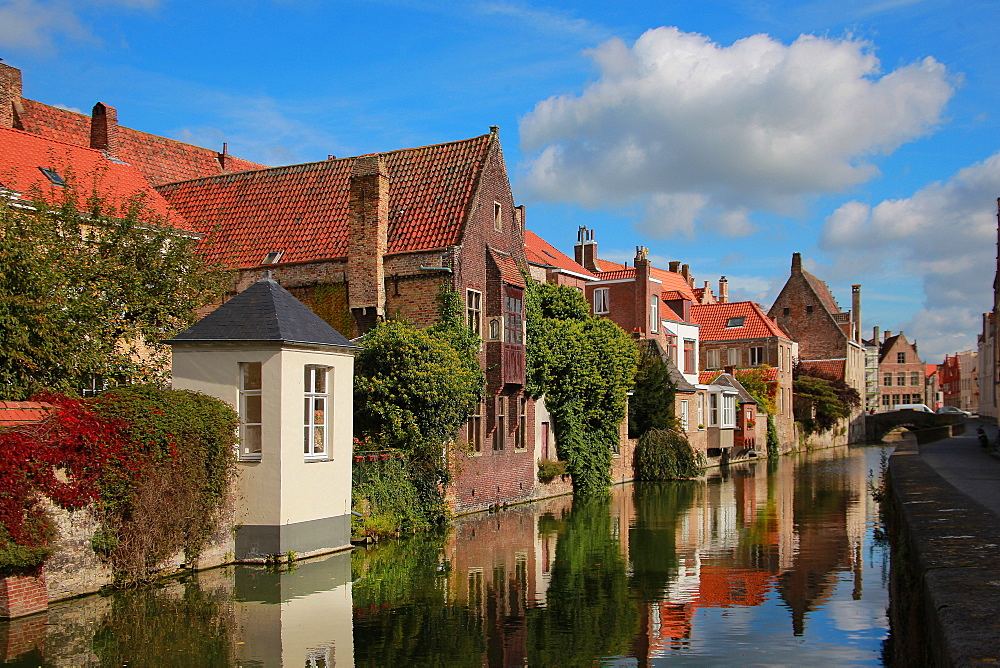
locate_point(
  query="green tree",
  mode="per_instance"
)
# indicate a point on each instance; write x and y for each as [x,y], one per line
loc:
[652,402]
[88,289]
[755,382]
[831,398]
[585,367]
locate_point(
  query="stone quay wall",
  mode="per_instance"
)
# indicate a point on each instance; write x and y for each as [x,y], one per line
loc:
[945,574]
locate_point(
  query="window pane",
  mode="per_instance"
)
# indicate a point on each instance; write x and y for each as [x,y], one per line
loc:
[320,380]
[319,411]
[251,439]
[319,441]
[251,375]
[253,408]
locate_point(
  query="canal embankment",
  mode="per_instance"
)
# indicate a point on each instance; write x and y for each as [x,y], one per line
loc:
[945,574]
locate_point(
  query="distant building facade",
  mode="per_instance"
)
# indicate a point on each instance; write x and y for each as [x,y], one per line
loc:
[901,372]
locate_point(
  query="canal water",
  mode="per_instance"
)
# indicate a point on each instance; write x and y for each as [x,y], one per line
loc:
[772,563]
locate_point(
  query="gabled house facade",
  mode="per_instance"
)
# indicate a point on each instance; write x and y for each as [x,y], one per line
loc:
[379,236]
[902,375]
[739,335]
[829,339]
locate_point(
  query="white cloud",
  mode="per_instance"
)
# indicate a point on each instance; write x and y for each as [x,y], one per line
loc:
[37,24]
[551,22]
[945,236]
[676,118]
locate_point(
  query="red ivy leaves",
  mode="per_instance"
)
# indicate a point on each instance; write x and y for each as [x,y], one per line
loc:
[63,458]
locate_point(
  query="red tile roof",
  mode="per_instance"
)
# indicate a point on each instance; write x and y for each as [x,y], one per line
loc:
[605,265]
[302,210]
[833,368]
[616,275]
[160,160]
[87,170]
[714,317]
[541,252]
[13,413]
[509,272]
[673,282]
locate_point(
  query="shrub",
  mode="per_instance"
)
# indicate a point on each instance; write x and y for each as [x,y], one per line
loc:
[662,454]
[548,469]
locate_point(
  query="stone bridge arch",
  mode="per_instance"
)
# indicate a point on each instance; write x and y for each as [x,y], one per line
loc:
[880,424]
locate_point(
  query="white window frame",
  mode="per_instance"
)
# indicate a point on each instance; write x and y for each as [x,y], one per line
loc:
[728,411]
[712,359]
[713,409]
[733,356]
[701,411]
[316,434]
[654,314]
[251,448]
[601,300]
[684,415]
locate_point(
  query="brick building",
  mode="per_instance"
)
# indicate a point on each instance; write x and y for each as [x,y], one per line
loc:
[902,375]
[159,159]
[378,236]
[948,378]
[933,396]
[828,337]
[740,335]
[547,264]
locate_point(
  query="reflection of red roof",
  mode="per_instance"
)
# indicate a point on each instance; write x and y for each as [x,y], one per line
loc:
[833,368]
[13,413]
[86,170]
[539,251]
[713,319]
[722,586]
[302,210]
[159,159]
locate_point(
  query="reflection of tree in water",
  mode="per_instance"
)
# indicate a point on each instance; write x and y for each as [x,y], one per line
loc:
[652,539]
[589,613]
[142,627]
[403,615]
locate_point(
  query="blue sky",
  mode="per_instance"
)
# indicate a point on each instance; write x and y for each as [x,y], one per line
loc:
[724,134]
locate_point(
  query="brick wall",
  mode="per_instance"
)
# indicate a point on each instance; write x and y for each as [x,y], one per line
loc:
[22,595]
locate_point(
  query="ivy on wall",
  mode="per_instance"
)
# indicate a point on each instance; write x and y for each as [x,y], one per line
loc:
[329,302]
[584,366]
[829,399]
[755,382]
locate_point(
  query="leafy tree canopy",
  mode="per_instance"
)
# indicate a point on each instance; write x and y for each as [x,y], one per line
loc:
[88,289]
[831,398]
[652,403]
[585,367]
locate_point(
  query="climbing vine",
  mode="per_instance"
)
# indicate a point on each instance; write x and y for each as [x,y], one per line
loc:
[830,399]
[763,391]
[585,367]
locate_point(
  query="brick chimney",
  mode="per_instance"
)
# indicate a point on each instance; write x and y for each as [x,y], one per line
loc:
[723,290]
[643,292]
[10,94]
[796,263]
[674,266]
[104,129]
[856,311]
[686,273]
[368,219]
[585,250]
[223,157]
[888,335]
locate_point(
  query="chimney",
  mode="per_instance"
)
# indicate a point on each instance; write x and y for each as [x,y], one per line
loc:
[875,337]
[723,290]
[644,291]
[10,94]
[224,157]
[675,266]
[887,335]
[104,129]
[368,220]
[686,273]
[796,263]
[521,217]
[856,308]
[585,250]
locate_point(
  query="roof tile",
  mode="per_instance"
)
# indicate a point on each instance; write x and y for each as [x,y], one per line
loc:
[713,319]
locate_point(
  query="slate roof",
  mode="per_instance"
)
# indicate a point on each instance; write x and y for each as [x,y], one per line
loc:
[159,159]
[541,252]
[731,381]
[87,170]
[263,312]
[302,210]
[13,413]
[714,317]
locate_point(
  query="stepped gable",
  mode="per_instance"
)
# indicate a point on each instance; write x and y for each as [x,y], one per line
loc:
[713,319]
[264,312]
[541,252]
[822,291]
[159,159]
[886,346]
[302,210]
[23,155]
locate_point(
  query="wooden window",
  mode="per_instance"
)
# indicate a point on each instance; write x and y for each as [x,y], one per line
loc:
[250,410]
[733,357]
[601,300]
[915,378]
[474,311]
[809,309]
[901,358]
[713,409]
[701,411]
[712,359]
[513,307]
[475,427]
[900,379]
[887,380]
[499,433]
[672,348]
[689,364]
[497,217]
[756,355]
[317,414]
[521,436]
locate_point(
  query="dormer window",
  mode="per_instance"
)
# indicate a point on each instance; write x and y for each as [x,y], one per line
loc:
[53,176]
[735,322]
[272,257]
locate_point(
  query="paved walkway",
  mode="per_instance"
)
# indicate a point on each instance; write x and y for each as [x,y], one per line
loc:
[966,465]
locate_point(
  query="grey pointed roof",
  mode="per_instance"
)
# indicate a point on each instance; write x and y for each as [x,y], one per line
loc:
[263,312]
